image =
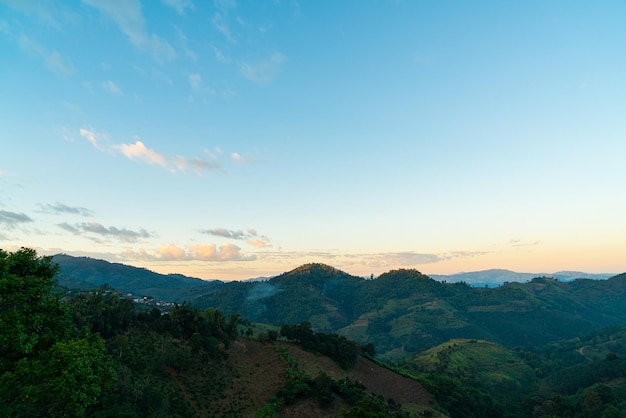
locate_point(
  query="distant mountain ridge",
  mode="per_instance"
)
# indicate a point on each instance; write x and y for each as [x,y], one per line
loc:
[96,272]
[494,277]
[89,273]
[401,312]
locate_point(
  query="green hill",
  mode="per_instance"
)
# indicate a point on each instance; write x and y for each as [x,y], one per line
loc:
[541,348]
[401,312]
[89,273]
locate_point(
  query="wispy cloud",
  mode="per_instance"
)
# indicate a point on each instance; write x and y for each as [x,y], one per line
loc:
[251,236]
[195,80]
[180,5]
[220,56]
[43,11]
[13,219]
[101,231]
[99,140]
[219,19]
[260,242]
[52,59]
[227,233]
[219,23]
[127,15]
[516,242]
[360,261]
[111,88]
[263,71]
[211,252]
[184,44]
[62,209]
[138,151]
[238,158]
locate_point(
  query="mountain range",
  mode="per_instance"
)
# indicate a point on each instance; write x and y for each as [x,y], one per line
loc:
[496,277]
[401,312]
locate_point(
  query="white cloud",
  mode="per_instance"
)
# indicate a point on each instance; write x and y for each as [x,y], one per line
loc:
[171,252]
[264,71]
[96,139]
[201,252]
[179,5]
[197,165]
[240,159]
[138,151]
[127,15]
[111,87]
[129,254]
[52,60]
[210,252]
[261,242]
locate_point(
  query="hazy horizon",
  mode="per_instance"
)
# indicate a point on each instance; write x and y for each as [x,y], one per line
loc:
[235,139]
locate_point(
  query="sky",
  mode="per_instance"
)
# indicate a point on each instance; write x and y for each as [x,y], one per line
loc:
[235,139]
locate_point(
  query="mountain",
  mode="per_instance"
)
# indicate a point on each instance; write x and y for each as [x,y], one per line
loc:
[547,350]
[89,273]
[496,277]
[401,312]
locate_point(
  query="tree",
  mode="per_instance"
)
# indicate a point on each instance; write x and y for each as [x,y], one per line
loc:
[31,319]
[47,366]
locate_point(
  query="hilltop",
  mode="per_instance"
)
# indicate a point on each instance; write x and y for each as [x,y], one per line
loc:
[90,273]
[401,312]
[548,349]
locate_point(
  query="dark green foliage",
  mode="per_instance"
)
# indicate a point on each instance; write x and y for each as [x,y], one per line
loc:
[400,312]
[403,311]
[47,365]
[368,350]
[323,389]
[461,398]
[88,273]
[368,407]
[175,364]
[103,311]
[338,348]
[161,358]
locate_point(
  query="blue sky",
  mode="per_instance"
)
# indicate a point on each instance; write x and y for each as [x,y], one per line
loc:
[235,139]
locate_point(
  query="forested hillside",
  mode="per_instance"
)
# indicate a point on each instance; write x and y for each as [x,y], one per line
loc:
[99,354]
[403,311]
[541,348]
[89,273]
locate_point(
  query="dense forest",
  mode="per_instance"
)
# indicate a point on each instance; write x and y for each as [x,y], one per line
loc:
[401,344]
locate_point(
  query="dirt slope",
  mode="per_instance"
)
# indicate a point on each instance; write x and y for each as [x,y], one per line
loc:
[259,375]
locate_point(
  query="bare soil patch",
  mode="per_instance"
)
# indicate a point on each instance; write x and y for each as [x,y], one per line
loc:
[259,373]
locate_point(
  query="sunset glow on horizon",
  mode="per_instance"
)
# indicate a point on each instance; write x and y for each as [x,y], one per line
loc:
[231,140]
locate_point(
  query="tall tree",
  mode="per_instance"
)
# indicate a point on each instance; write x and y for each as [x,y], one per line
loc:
[47,366]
